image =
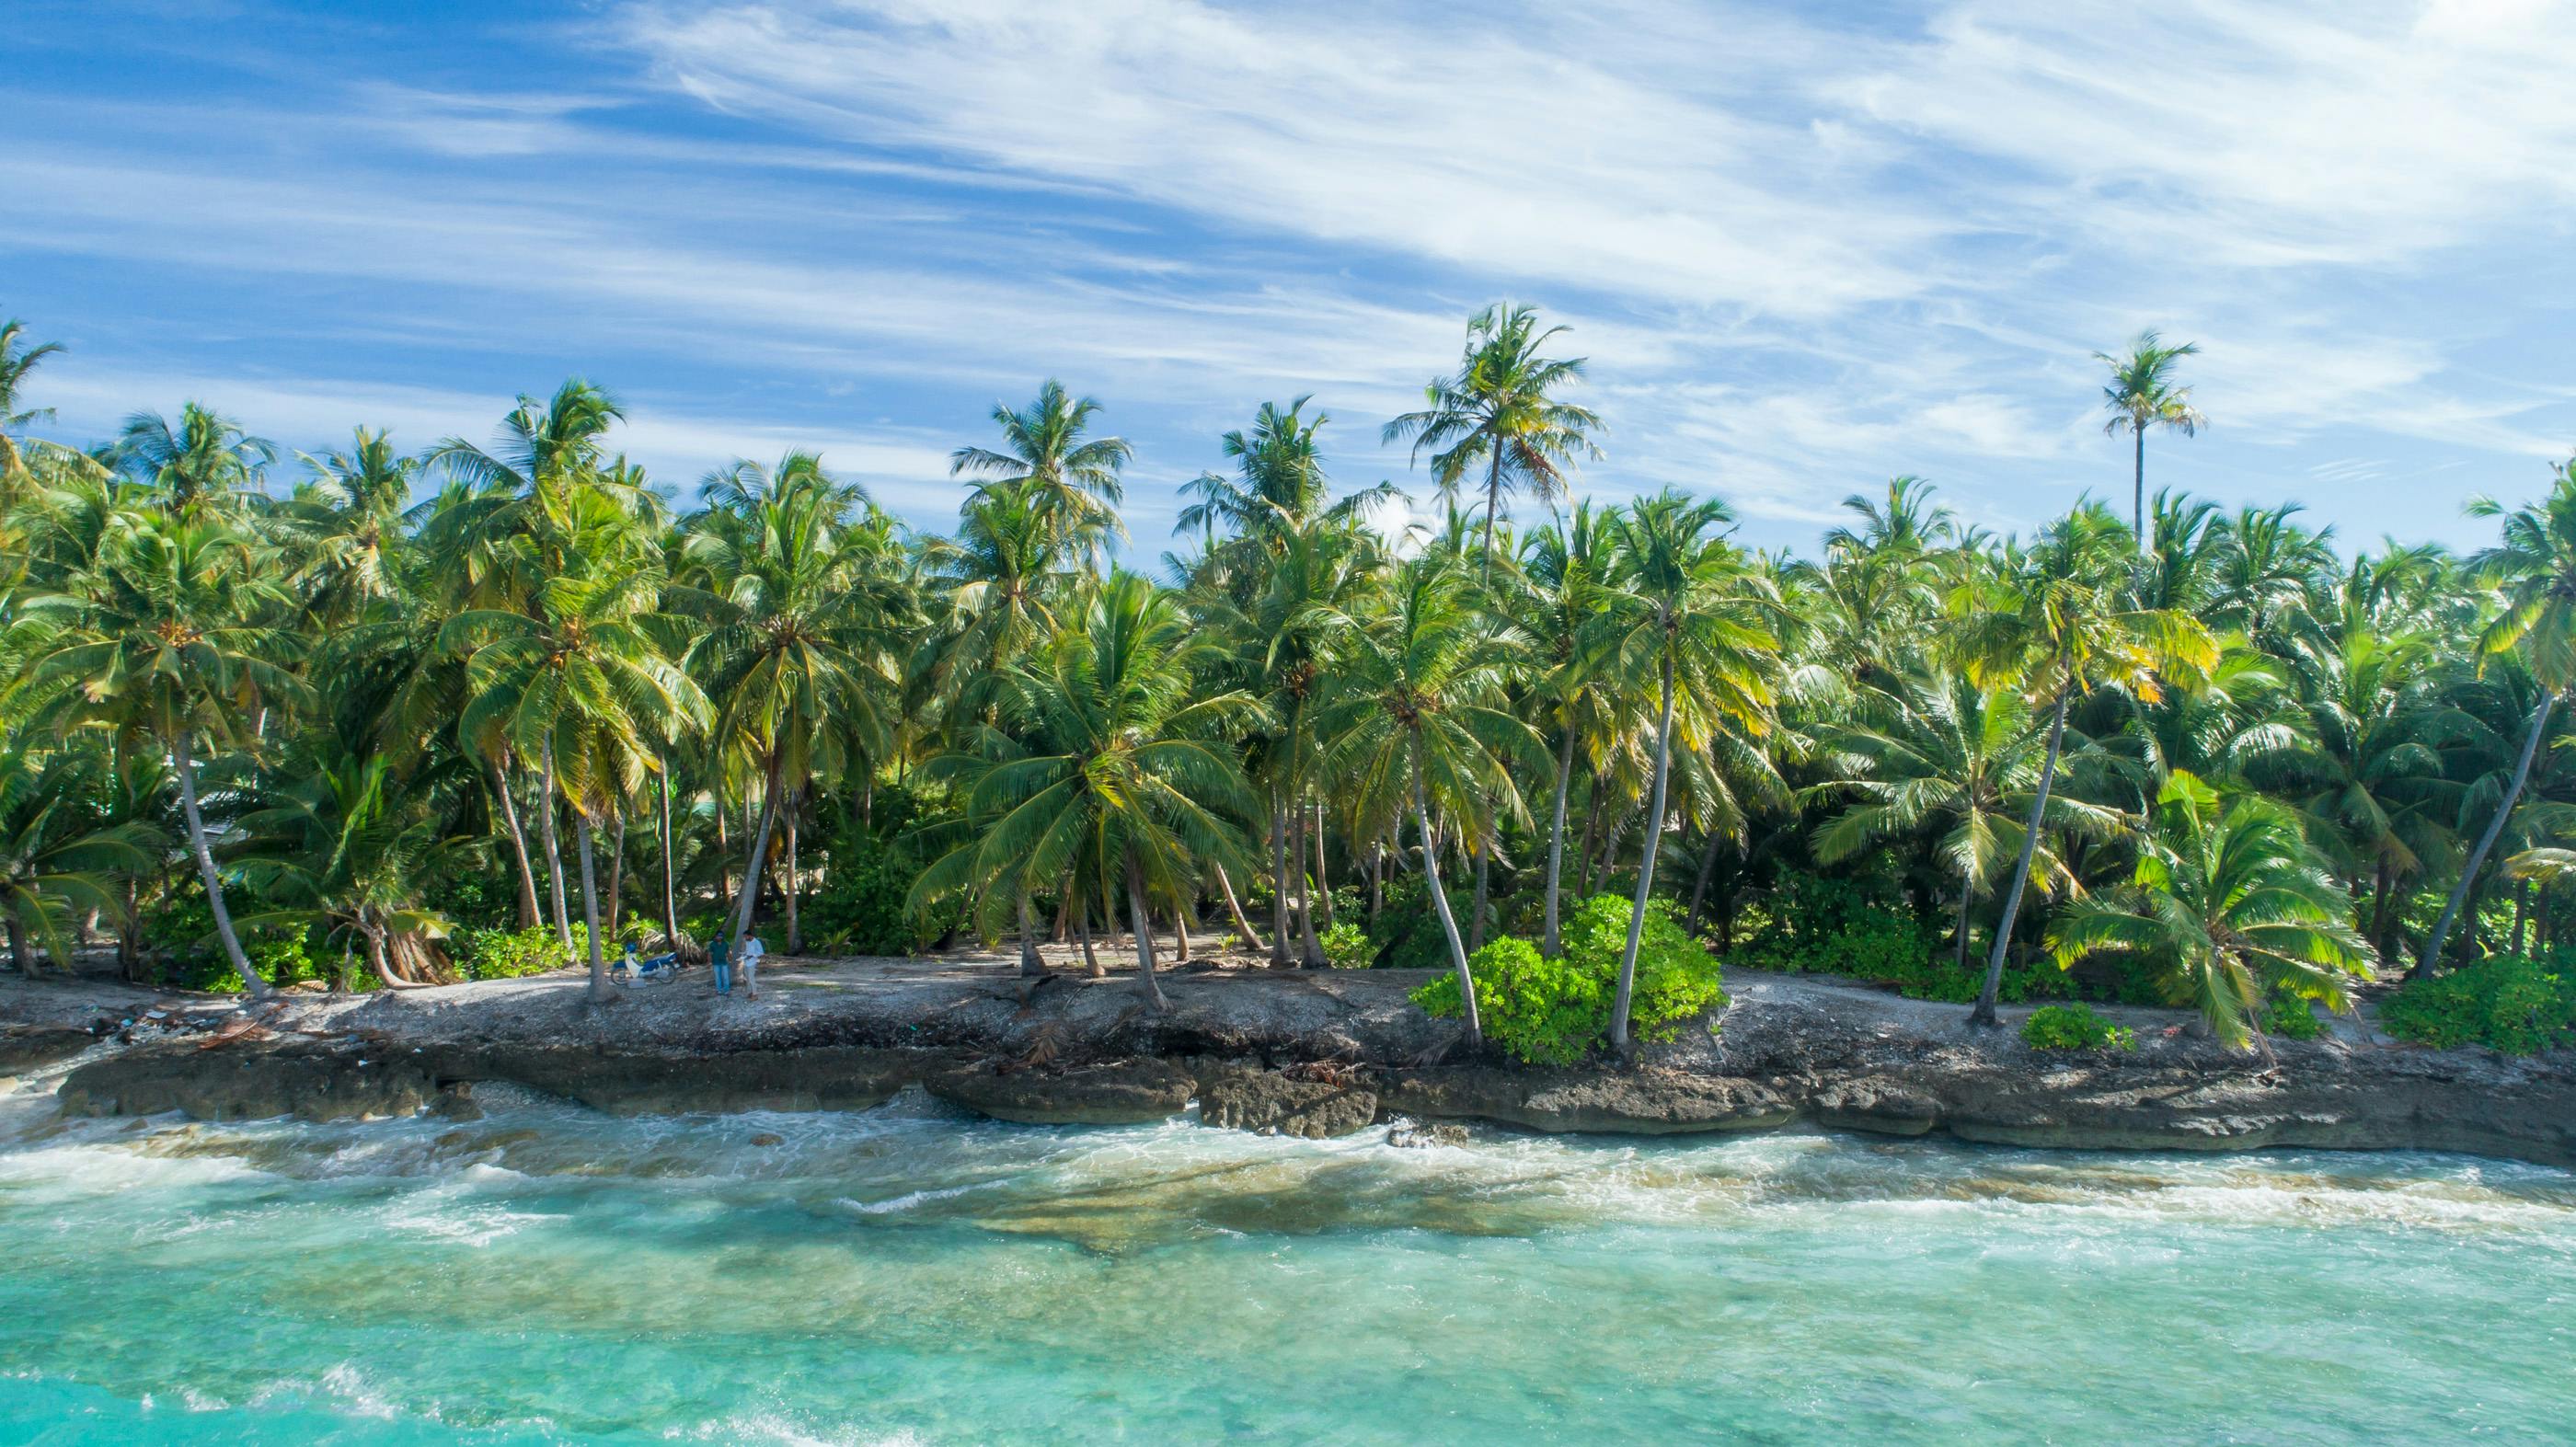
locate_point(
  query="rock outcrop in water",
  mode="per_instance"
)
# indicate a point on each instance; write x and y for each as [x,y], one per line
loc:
[1323,1054]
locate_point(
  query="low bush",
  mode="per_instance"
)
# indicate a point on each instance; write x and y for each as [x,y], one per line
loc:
[2291,1018]
[492,954]
[860,909]
[2514,1005]
[1556,1011]
[1347,946]
[2074,1027]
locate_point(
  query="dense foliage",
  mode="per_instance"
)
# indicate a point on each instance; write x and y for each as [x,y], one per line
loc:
[2074,1027]
[2515,1005]
[394,716]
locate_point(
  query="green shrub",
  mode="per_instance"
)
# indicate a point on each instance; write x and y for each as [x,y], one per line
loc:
[1555,1011]
[182,932]
[1347,946]
[2514,1005]
[2074,1027]
[2290,1018]
[860,908]
[492,954]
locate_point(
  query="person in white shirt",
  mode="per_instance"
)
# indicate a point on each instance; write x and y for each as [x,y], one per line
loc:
[752,950]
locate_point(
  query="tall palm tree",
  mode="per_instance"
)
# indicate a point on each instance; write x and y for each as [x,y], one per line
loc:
[802,636]
[1499,412]
[2534,565]
[347,523]
[2228,903]
[2142,394]
[2054,619]
[1697,614]
[161,636]
[207,461]
[1048,453]
[1564,588]
[1419,713]
[1937,751]
[15,415]
[1126,775]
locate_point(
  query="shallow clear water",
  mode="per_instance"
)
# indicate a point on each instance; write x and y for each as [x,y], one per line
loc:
[908,1275]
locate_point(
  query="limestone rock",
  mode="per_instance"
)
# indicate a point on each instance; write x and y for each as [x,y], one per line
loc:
[1131,1093]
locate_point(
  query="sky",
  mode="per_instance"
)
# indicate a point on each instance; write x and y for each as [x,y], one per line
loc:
[1804,247]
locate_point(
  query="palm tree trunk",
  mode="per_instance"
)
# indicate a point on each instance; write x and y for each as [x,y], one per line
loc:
[1493,500]
[1082,931]
[1591,830]
[1984,1013]
[590,908]
[2495,826]
[1440,901]
[383,966]
[1234,910]
[1310,946]
[1699,885]
[759,851]
[1279,886]
[129,929]
[1967,897]
[1181,933]
[1323,876]
[554,851]
[1144,932]
[1552,939]
[616,872]
[518,838]
[2138,505]
[1031,962]
[724,857]
[1377,884]
[1645,874]
[670,896]
[795,931]
[19,954]
[186,763]
[2521,912]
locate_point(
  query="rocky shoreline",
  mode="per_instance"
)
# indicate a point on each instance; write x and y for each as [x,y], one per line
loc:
[1298,1053]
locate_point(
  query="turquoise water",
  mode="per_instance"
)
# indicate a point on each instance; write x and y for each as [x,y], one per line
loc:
[911,1276]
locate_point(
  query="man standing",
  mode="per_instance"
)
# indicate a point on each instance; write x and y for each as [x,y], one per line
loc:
[752,951]
[716,957]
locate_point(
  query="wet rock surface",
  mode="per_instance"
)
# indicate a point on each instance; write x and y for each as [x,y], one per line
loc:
[1275,1103]
[32,1047]
[1129,1093]
[309,1079]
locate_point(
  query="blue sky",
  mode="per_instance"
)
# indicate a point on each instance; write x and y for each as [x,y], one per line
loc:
[1805,247]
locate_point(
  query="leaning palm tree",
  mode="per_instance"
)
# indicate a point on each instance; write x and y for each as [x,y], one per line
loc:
[2229,904]
[1048,453]
[2141,394]
[2534,564]
[1938,752]
[161,637]
[1418,712]
[1499,412]
[1697,614]
[2054,620]
[1122,776]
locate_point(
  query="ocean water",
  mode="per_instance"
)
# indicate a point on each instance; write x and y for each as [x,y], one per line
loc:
[909,1275]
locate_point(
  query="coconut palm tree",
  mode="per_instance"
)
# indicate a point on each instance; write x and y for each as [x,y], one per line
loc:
[159,636]
[206,462]
[346,850]
[1048,453]
[1699,616]
[2534,566]
[2141,394]
[1938,752]
[1419,712]
[2054,620]
[17,360]
[1500,412]
[346,524]
[1122,771]
[1562,589]
[2229,904]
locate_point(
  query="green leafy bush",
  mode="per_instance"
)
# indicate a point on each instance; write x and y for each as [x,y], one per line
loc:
[2074,1027]
[1555,1011]
[492,954]
[860,908]
[2290,1018]
[182,933]
[2514,1005]
[1348,947]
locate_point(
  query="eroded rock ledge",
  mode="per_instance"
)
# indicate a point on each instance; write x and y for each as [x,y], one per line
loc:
[1329,1055]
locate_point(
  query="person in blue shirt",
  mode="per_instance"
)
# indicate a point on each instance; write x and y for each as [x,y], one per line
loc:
[716,957]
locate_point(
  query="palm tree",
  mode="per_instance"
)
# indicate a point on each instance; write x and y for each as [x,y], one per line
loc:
[1499,411]
[158,637]
[347,522]
[2141,394]
[15,416]
[2230,904]
[1418,711]
[2534,564]
[207,461]
[1565,586]
[1047,453]
[1938,751]
[1125,776]
[346,850]
[55,860]
[1697,614]
[2053,619]
[802,634]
